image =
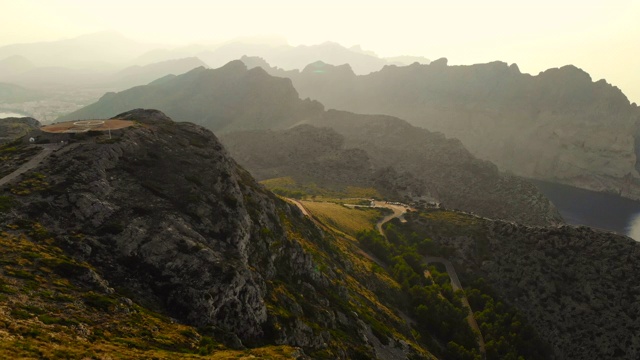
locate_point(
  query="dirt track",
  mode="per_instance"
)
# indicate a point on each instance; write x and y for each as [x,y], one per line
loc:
[32,163]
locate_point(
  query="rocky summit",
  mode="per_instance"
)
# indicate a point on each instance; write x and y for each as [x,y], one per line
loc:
[160,217]
[12,128]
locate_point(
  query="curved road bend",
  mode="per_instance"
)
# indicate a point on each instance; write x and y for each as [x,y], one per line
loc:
[406,318]
[300,206]
[32,163]
[455,284]
[398,211]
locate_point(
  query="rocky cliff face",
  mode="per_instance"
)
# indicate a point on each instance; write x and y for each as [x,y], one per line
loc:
[233,98]
[306,153]
[578,287]
[399,160]
[165,215]
[558,126]
[227,99]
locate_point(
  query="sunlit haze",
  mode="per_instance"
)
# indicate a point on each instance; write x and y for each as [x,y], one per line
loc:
[601,37]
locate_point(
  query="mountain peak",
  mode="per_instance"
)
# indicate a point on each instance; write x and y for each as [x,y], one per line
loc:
[320,67]
[442,62]
[235,66]
[147,116]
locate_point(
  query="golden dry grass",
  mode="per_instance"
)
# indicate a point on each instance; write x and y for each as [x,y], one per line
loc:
[342,218]
[43,315]
[287,186]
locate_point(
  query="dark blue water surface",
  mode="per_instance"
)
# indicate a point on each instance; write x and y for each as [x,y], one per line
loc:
[595,209]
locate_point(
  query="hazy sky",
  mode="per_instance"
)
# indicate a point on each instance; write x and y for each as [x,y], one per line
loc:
[600,36]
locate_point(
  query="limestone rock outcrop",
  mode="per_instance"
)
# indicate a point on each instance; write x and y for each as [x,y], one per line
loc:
[559,125]
[164,215]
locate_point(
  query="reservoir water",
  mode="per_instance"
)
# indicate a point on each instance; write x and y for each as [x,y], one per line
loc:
[4,114]
[595,209]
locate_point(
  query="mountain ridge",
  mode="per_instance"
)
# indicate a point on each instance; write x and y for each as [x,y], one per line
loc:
[161,213]
[234,98]
[560,116]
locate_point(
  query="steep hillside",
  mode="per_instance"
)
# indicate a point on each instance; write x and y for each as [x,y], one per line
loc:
[306,153]
[399,160]
[13,128]
[161,219]
[578,287]
[558,126]
[233,98]
[10,93]
[137,75]
[225,99]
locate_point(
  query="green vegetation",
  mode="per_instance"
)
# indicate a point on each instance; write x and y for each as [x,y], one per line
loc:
[288,187]
[13,155]
[506,334]
[9,149]
[504,330]
[338,260]
[440,315]
[41,317]
[6,203]
[33,182]
[345,219]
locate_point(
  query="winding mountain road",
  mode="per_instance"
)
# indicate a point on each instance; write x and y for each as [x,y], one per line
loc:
[398,212]
[456,285]
[47,150]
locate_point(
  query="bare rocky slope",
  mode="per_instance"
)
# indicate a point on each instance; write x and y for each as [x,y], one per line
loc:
[399,160]
[227,99]
[233,98]
[162,214]
[558,126]
[577,286]
[12,128]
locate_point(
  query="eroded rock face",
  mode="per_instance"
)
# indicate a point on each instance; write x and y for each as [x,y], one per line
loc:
[578,287]
[580,284]
[165,216]
[401,161]
[168,224]
[233,99]
[559,125]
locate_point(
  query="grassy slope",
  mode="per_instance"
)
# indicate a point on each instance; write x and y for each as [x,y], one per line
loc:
[48,310]
[342,218]
[288,187]
[46,313]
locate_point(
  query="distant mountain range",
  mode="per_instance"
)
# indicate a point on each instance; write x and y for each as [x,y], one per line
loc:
[16,70]
[406,160]
[95,51]
[558,126]
[290,57]
[10,93]
[100,59]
